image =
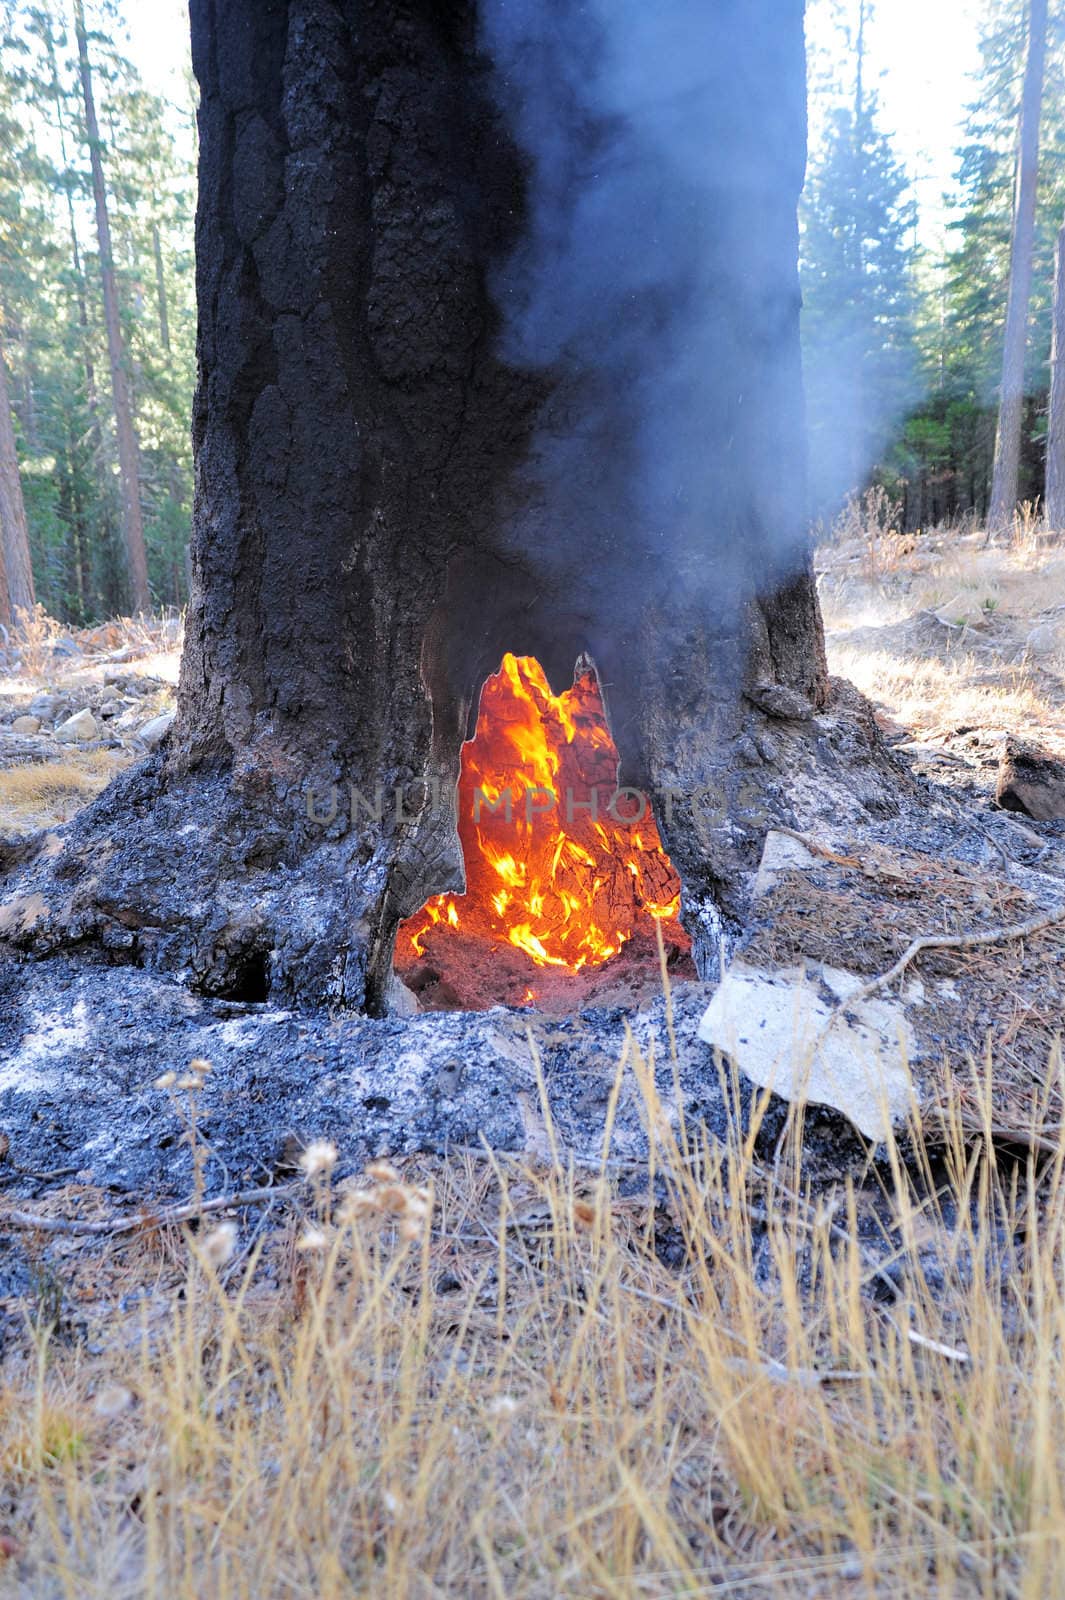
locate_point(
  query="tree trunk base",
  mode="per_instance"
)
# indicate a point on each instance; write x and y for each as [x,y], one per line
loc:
[221,878]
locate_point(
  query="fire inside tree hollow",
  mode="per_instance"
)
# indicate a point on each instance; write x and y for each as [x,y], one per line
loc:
[558,865]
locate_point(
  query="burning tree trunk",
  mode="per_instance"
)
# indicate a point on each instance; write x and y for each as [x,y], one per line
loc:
[398,482]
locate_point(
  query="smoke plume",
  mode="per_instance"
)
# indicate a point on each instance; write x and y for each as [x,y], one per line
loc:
[665,142]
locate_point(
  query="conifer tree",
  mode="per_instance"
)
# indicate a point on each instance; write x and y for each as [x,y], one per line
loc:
[1011,394]
[857,256]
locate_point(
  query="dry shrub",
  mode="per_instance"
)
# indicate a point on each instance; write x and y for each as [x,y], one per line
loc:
[33,636]
[871,520]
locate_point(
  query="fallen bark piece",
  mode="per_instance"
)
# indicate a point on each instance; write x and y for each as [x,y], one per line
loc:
[776,1026]
[779,701]
[1031,781]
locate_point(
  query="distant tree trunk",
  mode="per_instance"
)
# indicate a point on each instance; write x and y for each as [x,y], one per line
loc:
[364,447]
[160,289]
[128,453]
[1011,396]
[88,364]
[20,594]
[1055,484]
[74,520]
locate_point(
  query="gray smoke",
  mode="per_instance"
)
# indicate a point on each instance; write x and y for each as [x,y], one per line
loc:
[658,275]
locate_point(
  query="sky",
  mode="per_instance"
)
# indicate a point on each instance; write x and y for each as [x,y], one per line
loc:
[159,42]
[928,53]
[922,53]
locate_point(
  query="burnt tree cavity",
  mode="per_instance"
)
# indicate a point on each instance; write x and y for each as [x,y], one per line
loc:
[370,530]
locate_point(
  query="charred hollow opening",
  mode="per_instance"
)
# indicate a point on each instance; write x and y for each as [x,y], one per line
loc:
[568,885]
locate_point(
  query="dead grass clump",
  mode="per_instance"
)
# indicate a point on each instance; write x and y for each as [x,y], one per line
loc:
[41,794]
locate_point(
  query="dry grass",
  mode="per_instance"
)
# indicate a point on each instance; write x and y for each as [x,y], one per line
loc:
[148,645]
[1002,610]
[932,695]
[522,1400]
[42,794]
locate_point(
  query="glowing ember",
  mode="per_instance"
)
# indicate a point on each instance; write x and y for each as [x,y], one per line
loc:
[555,869]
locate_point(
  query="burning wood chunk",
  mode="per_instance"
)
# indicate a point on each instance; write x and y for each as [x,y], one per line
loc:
[559,865]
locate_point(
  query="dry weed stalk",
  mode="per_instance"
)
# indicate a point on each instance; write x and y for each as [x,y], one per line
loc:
[33,636]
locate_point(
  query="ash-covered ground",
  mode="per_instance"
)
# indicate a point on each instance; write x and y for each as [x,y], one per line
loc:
[82,1044]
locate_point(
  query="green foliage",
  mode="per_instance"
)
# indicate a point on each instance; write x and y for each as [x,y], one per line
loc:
[859,341]
[52,315]
[943,314]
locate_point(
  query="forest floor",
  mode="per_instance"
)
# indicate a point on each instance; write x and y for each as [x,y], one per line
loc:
[958,644]
[488,1376]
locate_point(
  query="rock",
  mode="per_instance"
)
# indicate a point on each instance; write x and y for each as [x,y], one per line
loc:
[78,729]
[1031,781]
[26,725]
[1045,641]
[777,700]
[774,1026]
[964,611]
[111,708]
[46,706]
[780,853]
[155,731]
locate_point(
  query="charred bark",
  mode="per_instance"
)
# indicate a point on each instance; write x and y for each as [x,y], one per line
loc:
[364,453]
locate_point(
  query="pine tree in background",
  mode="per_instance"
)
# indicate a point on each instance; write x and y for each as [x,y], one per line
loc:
[858,260]
[939,459]
[51,289]
[17,593]
[947,448]
[1055,480]
[87,506]
[128,448]
[1015,338]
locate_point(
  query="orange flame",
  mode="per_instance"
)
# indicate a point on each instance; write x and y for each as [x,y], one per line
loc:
[550,869]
